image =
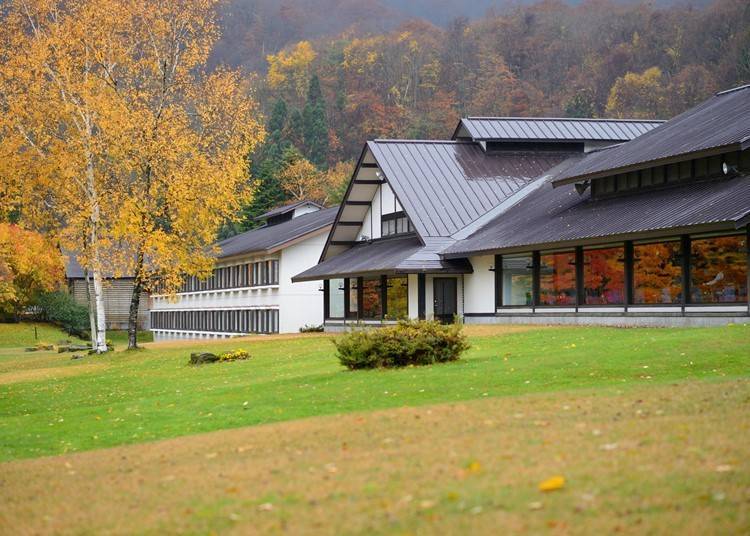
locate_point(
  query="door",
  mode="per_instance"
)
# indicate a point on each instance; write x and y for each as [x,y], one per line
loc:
[445,299]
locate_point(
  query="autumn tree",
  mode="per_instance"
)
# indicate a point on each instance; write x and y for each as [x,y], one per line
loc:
[60,118]
[29,265]
[637,95]
[187,136]
[301,180]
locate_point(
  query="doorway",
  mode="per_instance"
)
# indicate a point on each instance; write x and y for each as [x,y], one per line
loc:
[445,298]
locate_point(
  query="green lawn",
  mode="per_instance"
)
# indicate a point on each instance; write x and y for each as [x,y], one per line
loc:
[51,405]
[30,334]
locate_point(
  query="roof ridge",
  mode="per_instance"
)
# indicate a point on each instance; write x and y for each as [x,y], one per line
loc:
[446,142]
[581,119]
[732,90]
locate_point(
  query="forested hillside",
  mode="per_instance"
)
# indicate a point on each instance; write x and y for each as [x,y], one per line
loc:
[414,80]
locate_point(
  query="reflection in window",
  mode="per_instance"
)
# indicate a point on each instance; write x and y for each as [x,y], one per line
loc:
[604,276]
[657,273]
[336,298]
[397,294]
[517,279]
[557,279]
[371,297]
[353,298]
[718,270]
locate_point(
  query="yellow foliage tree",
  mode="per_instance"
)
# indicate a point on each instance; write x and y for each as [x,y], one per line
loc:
[637,95]
[29,264]
[137,153]
[58,121]
[186,137]
[302,181]
[290,70]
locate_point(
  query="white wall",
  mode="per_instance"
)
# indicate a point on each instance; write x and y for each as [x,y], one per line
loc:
[383,202]
[480,286]
[300,303]
[413,280]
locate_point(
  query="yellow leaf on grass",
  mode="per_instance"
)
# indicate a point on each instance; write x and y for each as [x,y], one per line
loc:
[552,484]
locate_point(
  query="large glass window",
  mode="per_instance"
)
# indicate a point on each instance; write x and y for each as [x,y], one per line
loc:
[397,294]
[353,298]
[336,298]
[371,297]
[604,276]
[657,273]
[557,278]
[718,269]
[517,279]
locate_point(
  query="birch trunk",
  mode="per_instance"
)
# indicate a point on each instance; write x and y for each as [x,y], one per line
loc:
[100,343]
[92,308]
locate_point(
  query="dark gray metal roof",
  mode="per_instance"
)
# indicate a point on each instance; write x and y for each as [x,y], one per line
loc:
[278,211]
[721,122]
[554,129]
[553,215]
[275,236]
[446,185]
[74,270]
[404,254]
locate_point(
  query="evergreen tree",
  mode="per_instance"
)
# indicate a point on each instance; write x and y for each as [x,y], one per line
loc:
[315,125]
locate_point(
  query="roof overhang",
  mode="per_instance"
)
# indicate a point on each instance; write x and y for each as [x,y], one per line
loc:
[652,163]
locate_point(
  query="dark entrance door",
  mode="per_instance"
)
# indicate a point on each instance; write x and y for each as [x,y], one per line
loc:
[445,299]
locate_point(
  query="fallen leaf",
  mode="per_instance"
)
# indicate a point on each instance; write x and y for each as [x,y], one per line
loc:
[552,484]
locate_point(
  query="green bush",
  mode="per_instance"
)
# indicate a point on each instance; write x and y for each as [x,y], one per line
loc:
[60,308]
[410,342]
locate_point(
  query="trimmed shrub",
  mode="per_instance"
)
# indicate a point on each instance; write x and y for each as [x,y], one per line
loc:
[410,342]
[60,308]
[234,355]
[312,328]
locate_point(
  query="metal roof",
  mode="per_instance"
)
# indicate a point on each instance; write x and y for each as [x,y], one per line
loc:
[554,129]
[554,215]
[404,254]
[720,123]
[446,185]
[278,211]
[275,236]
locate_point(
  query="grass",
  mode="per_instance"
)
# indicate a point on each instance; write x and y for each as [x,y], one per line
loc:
[26,334]
[648,426]
[51,405]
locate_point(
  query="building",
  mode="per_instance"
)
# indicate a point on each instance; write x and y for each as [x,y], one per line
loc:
[117,293]
[251,290]
[550,221]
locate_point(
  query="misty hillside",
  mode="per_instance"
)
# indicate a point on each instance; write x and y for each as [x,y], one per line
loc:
[253,29]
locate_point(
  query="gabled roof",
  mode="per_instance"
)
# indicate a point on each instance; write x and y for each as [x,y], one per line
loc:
[446,185]
[272,238]
[278,211]
[396,255]
[550,216]
[720,124]
[553,129]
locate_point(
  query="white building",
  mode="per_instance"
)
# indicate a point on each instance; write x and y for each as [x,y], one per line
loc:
[251,289]
[526,220]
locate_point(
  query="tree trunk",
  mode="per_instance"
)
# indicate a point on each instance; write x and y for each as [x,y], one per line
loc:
[92,308]
[100,343]
[135,301]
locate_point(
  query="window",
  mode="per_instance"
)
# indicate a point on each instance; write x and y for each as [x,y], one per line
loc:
[557,279]
[397,297]
[395,223]
[371,297]
[353,298]
[604,276]
[718,269]
[517,279]
[336,298]
[657,274]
